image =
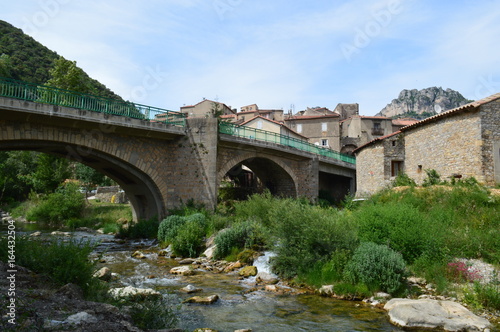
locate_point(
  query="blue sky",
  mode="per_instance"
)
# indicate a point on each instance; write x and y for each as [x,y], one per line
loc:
[277,54]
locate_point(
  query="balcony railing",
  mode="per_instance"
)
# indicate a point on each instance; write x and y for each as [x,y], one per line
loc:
[268,136]
[60,97]
[378,131]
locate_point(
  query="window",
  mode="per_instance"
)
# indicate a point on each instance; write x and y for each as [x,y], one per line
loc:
[324,142]
[324,126]
[396,167]
[259,124]
[299,128]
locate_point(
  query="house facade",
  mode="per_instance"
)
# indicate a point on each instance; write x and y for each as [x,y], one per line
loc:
[459,143]
[358,130]
[262,123]
[205,108]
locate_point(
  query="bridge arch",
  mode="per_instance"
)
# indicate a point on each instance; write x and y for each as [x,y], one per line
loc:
[142,191]
[274,174]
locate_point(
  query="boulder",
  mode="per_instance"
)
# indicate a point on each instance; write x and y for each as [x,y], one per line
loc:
[209,253]
[248,271]
[37,233]
[103,274]
[81,318]
[184,270]
[129,291]
[233,266]
[326,290]
[202,299]
[187,261]
[139,255]
[71,291]
[190,289]
[426,313]
[264,278]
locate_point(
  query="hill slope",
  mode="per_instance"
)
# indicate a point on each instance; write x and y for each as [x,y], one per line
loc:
[23,58]
[423,103]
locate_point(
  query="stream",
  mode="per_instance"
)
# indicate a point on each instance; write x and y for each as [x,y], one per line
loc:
[239,306]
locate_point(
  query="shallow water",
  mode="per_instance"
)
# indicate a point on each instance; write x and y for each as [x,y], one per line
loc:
[237,307]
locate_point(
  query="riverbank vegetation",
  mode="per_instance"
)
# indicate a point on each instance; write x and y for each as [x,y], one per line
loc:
[367,246]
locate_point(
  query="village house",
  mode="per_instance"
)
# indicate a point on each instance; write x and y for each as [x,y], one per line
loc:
[251,111]
[460,143]
[206,108]
[319,125]
[262,123]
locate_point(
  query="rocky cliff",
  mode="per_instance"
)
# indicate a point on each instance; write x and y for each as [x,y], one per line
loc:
[423,103]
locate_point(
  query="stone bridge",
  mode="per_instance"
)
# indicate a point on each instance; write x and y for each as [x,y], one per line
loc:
[162,166]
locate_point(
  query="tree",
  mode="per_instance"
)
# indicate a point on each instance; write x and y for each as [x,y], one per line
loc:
[5,66]
[67,75]
[50,173]
[90,177]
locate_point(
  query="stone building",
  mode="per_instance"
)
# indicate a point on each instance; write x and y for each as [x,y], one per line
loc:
[358,130]
[262,123]
[205,109]
[251,111]
[459,143]
[320,125]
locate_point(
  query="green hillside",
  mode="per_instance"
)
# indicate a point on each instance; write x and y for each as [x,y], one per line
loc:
[23,58]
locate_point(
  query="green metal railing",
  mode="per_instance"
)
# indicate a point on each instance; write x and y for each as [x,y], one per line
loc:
[60,97]
[268,136]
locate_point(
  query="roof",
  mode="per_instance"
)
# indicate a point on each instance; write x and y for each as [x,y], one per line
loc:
[367,118]
[381,138]
[276,122]
[311,117]
[204,100]
[455,111]
[404,122]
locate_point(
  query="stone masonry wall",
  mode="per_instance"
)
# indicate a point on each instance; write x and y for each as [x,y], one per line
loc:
[451,146]
[370,170]
[490,124]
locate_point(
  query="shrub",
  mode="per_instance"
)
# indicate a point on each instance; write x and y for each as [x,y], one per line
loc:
[433,178]
[153,313]
[306,234]
[241,235]
[377,266]
[403,180]
[65,204]
[169,226]
[140,230]
[188,242]
[63,262]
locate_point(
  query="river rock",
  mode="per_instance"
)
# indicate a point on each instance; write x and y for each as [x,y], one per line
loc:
[425,313]
[243,330]
[202,299]
[209,253]
[139,255]
[233,266]
[187,261]
[103,274]
[190,289]
[248,271]
[205,329]
[184,270]
[80,318]
[129,291]
[59,233]
[264,278]
[326,290]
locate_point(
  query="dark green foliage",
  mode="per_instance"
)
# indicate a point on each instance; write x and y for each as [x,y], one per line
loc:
[168,228]
[153,313]
[307,234]
[185,233]
[143,229]
[403,180]
[64,262]
[241,235]
[377,266]
[59,207]
[400,226]
[90,178]
[433,178]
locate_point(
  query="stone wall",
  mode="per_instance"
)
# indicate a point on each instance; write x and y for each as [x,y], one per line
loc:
[452,146]
[490,125]
[370,170]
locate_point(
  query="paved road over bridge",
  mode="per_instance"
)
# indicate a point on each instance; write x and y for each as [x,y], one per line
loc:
[161,159]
